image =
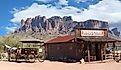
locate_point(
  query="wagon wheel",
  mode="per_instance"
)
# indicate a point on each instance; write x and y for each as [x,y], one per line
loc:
[17,57]
[12,57]
[31,58]
[41,57]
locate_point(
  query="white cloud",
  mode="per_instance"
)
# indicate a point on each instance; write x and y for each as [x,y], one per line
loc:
[105,10]
[108,10]
[15,10]
[82,0]
[43,10]
[45,1]
[63,2]
[10,29]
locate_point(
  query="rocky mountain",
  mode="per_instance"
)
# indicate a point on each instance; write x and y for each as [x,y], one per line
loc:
[55,26]
[115,31]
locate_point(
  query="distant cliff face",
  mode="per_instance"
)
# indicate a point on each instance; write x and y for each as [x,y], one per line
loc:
[56,25]
[115,31]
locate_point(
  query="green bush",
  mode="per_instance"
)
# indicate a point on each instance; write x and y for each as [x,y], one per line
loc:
[11,41]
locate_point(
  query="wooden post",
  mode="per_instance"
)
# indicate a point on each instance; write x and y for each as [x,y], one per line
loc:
[88,52]
[101,48]
[76,50]
[105,45]
[114,50]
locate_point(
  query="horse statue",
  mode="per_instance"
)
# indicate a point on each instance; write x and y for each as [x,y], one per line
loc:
[9,50]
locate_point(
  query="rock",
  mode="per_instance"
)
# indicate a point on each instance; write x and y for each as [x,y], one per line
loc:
[57,26]
[82,61]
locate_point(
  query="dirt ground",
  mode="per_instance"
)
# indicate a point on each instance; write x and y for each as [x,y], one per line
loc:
[51,65]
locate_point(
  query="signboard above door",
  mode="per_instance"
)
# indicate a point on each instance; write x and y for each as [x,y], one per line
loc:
[92,33]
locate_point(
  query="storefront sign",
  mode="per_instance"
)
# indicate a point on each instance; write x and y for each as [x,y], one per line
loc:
[92,33]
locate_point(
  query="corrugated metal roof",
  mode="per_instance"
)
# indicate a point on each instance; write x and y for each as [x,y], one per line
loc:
[68,38]
[60,39]
[31,41]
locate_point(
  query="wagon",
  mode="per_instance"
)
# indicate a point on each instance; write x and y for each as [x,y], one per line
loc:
[31,50]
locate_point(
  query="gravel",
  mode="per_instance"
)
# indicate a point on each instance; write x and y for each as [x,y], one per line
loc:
[54,65]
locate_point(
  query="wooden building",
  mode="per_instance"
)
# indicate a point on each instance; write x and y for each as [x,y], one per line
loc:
[93,42]
[87,43]
[61,47]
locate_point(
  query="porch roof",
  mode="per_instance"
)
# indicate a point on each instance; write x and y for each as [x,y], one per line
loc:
[110,38]
[97,39]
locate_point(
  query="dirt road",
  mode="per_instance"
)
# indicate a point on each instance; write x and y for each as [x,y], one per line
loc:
[47,65]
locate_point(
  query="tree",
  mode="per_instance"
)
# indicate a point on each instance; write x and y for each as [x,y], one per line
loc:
[12,41]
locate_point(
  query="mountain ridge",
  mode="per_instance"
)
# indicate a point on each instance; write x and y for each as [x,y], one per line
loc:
[57,26]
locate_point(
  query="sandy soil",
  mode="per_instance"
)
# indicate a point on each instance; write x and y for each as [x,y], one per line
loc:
[47,65]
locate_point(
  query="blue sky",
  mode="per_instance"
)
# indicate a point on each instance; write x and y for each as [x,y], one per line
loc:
[12,11]
[6,6]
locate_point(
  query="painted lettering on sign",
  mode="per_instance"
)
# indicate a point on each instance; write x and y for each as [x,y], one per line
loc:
[92,33]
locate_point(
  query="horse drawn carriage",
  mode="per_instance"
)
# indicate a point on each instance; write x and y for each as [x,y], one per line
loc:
[31,50]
